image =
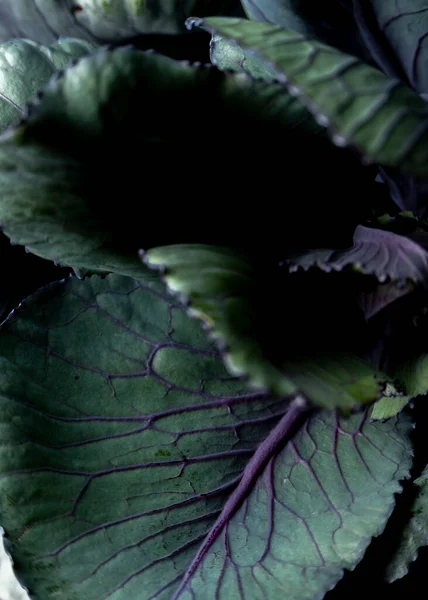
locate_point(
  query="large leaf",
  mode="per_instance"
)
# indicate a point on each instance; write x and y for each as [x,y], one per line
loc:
[224,291]
[395,33]
[123,440]
[299,528]
[84,167]
[98,20]
[382,118]
[331,21]
[26,67]
[415,534]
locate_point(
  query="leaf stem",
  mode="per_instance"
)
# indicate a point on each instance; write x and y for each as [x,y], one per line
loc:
[275,440]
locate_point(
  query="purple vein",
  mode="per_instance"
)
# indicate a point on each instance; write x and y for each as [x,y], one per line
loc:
[267,449]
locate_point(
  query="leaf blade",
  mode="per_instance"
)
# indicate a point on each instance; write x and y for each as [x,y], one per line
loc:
[360,106]
[222,289]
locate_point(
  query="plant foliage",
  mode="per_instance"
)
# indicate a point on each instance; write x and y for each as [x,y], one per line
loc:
[214,298]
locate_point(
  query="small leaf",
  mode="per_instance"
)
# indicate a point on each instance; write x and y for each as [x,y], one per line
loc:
[222,288]
[415,534]
[360,106]
[383,254]
[391,403]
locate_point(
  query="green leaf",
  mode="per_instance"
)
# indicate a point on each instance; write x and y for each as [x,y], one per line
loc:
[360,106]
[93,20]
[383,254]
[26,67]
[226,55]
[311,514]
[117,409]
[391,403]
[71,173]
[222,288]
[331,22]
[415,534]
[395,34]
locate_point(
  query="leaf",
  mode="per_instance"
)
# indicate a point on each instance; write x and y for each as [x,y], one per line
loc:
[222,288]
[92,20]
[225,55]
[26,67]
[383,254]
[398,30]
[391,403]
[360,106]
[116,408]
[70,195]
[415,534]
[331,22]
[319,519]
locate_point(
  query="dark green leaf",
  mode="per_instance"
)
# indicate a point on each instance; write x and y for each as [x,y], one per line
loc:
[97,20]
[123,440]
[330,21]
[122,437]
[360,106]
[223,290]
[415,534]
[70,174]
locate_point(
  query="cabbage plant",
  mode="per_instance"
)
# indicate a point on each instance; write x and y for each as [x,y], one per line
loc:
[214,299]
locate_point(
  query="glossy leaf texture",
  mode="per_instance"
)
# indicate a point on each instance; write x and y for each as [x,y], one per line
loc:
[70,174]
[116,407]
[331,22]
[224,290]
[26,67]
[396,34]
[98,20]
[415,534]
[360,106]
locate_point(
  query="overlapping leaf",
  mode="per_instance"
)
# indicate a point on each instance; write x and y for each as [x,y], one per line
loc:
[331,21]
[116,408]
[396,33]
[26,67]
[415,534]
[224,291]
[381,117]
[71,173]
[383,254]
[96,20]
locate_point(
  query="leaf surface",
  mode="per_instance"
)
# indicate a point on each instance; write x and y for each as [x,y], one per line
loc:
[26,67]
[71,173]
[383,254]
[116,408]
[360,106]
[223,289]
[396,33]
[415,534]
[331,22]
